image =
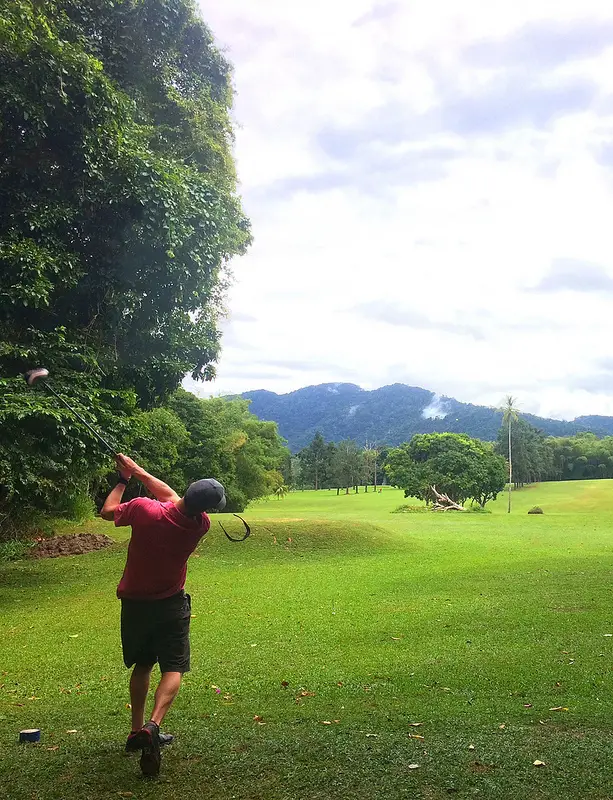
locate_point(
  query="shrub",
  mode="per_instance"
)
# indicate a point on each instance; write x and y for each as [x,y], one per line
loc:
[536,510]
[14,550]
[410,509]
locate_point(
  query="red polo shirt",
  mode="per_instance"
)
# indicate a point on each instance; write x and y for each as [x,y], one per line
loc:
[162,540]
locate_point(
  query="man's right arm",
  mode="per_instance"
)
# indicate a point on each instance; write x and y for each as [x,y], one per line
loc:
[112,503]
[160,490]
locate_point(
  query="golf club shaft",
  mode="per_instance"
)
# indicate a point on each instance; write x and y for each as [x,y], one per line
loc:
[80,418]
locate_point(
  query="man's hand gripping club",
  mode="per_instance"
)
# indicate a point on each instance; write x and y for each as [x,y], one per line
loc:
[127,468]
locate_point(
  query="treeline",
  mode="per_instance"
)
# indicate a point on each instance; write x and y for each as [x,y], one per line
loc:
[537,457]
[329,465]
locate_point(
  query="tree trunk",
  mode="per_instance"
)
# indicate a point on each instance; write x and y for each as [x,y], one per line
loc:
[510,468]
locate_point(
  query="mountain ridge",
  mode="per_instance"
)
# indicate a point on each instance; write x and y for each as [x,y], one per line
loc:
[391,414]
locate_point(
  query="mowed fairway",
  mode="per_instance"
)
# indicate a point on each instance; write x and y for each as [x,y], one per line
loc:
[342,652]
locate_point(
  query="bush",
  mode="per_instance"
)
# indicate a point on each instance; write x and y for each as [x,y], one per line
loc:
[14,550]
[477,509]
[536,510]
[410,510]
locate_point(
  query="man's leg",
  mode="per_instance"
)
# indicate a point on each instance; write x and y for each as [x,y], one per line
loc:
[139,688]
[165,694]
[148,738]
[172,650]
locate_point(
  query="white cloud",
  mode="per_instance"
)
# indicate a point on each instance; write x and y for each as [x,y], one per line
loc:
[434,160]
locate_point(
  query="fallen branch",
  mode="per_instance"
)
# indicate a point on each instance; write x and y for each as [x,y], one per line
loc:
[444,502]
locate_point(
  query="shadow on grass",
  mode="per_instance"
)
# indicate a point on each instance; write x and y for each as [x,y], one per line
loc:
[23,583]
[17,577]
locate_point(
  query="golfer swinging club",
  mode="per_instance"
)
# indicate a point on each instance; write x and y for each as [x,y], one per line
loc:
[155,610]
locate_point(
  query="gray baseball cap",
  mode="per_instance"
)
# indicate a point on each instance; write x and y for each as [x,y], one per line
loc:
[205,495]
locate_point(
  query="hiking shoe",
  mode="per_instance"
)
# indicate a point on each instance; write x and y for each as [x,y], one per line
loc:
[134,741]
[150,758]
[147,740]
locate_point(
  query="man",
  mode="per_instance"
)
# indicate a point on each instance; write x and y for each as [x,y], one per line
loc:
[155,610]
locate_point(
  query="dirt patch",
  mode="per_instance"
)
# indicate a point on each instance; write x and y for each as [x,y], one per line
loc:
[70,545]
[481,769]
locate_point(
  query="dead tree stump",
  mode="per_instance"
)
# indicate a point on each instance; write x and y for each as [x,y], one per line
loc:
[444,502]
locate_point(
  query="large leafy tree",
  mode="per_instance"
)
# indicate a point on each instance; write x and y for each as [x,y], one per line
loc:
[457,465]
[118,217]
[117,186]
[229,443]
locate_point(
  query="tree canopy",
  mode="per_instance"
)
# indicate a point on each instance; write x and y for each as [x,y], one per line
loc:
[117,189]
[229,443]
[461,467]
[316,463]
[118,218]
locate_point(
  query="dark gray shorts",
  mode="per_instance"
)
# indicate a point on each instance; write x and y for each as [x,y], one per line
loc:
[157,631]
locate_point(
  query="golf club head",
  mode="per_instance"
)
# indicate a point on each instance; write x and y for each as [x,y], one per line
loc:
[33,375]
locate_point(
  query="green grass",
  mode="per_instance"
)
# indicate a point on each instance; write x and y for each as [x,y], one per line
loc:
[474,625]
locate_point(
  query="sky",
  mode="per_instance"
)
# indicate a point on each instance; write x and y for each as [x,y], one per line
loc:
[430,187]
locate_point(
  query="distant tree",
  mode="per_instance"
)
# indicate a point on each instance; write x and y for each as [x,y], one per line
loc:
[510,414]
[347,464]
[380,465]
[461,467]
[580,456]
[315,462]
[291,470]
[370,454]
[532,452]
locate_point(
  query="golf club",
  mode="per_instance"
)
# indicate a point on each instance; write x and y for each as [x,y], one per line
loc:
[40,374]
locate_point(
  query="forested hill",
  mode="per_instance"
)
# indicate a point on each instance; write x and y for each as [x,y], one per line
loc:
[391,415]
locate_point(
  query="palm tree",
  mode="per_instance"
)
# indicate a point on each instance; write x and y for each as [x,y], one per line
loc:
[281,491]
[510,414]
